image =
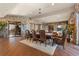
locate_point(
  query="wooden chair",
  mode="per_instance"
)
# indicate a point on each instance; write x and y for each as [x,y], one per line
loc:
[60,40]
[54,37]
[34,37]
[42,36]
[27,34]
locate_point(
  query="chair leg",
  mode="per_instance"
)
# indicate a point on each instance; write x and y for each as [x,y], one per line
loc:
[27,38]
[45,43]
[30,38]
[63,47]
[40,43]
[36,41]
[52,43]
[32,41]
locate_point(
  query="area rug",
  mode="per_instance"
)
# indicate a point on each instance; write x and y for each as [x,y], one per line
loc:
[49,49]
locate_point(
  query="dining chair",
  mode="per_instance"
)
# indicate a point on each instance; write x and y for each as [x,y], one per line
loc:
[54,37]
[60,40]
[27,34]
[42,37]
[34,36]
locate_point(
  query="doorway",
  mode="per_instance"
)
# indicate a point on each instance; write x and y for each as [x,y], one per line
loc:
[14,29]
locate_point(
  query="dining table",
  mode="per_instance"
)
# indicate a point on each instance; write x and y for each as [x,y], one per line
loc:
[48,35]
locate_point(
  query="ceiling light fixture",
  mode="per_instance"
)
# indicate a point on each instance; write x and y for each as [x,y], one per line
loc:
[39,8]
[39,11]
[52,4]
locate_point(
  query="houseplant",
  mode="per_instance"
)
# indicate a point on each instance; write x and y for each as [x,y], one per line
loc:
[70,30]
[2,25]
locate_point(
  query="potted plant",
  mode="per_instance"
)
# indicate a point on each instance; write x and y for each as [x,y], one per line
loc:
[70,30]
[2,26]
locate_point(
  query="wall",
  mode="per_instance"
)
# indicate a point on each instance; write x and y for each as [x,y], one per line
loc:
[77,25]
[55,25]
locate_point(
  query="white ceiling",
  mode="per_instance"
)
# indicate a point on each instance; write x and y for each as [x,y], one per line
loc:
[5,8]
[59,11]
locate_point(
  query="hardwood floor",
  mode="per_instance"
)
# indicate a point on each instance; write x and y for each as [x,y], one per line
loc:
[70,50]
[12,47]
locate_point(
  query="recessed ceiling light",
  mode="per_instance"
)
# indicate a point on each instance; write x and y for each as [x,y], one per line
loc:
[53,4]
[58,16]
[39,12]
[39,8]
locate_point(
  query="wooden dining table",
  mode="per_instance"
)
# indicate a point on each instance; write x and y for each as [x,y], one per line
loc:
[48,35]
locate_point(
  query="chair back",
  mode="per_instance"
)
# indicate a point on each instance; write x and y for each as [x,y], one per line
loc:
[33,34]
[27,33]
[62,39]
[54,35]
[42,35]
